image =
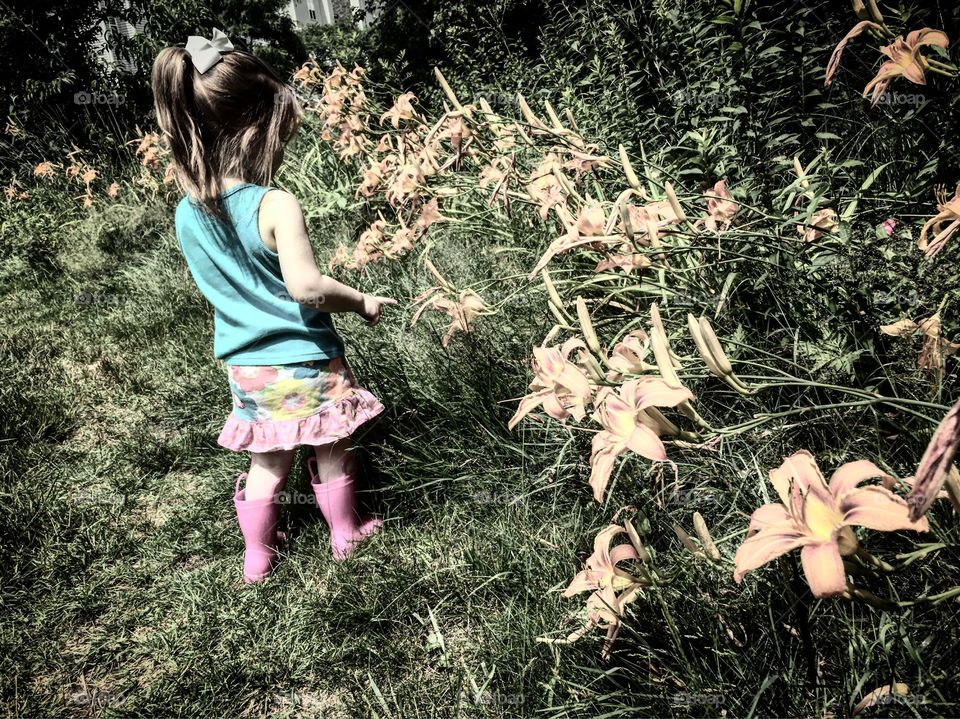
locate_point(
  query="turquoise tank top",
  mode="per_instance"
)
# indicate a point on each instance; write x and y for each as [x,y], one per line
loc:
[256,322]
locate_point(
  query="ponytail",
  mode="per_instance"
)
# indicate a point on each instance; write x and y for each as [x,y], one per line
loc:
[232,120]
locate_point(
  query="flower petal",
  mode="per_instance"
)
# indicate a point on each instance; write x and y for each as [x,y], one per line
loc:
[823,568]
[645,442]
[879,508]
[768,515]
[847,477]
[767,544]
[601,463]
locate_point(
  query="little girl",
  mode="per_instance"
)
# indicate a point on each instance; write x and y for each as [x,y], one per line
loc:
[226,116]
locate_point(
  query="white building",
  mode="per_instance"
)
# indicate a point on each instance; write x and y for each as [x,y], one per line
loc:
[326,12]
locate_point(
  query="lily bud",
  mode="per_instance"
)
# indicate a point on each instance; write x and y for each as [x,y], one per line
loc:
[686,541]
[674,202]
[528,114]
[711,351]
[635,541]
[631,176]
[450,94]
[436,273]
[589,335]
[703,534]
[554,118]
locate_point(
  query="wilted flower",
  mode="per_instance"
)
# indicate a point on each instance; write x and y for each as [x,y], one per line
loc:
[936,464]
[949,211]
[823,221]
[935,347]
[834,62]
[113,191]
[613,587]
[817,517]
[14,193]
[44,169]
[462,307]
[720,207]
[340,257]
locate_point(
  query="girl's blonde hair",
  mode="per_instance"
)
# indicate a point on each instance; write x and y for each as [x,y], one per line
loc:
[232,120]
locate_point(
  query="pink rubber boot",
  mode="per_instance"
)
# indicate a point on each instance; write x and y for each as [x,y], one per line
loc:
[338,504]
[258,524]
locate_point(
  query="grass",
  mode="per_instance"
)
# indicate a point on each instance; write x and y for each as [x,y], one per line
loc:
[120,584]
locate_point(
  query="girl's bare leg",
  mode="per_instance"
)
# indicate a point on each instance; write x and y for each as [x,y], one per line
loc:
[268,473]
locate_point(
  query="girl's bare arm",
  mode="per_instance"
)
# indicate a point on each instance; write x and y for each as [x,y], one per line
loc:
[283,230]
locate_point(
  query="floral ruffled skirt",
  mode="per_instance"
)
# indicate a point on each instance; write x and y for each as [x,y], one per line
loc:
[283,406]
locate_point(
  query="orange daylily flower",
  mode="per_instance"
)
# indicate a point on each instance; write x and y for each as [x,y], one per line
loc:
[905,60]
[404,183]
[613,587]
[586,230]
[370,178]
[627,425]
[462,307]
[629,356]
[817,517]
[401,243]
[558,384]
[627,262]
[493,173]
[114,190]
[430,214]
[949,211]
[823,221]
[44,168]
[402,110]
[720,207]
[340,257]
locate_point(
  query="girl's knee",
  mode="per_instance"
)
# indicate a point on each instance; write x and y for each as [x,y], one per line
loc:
[276,463]
[335,460]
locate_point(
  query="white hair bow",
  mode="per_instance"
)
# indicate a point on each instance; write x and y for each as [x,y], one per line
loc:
[207,53]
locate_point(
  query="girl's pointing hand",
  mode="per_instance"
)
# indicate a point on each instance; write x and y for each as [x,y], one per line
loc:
[373,306]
